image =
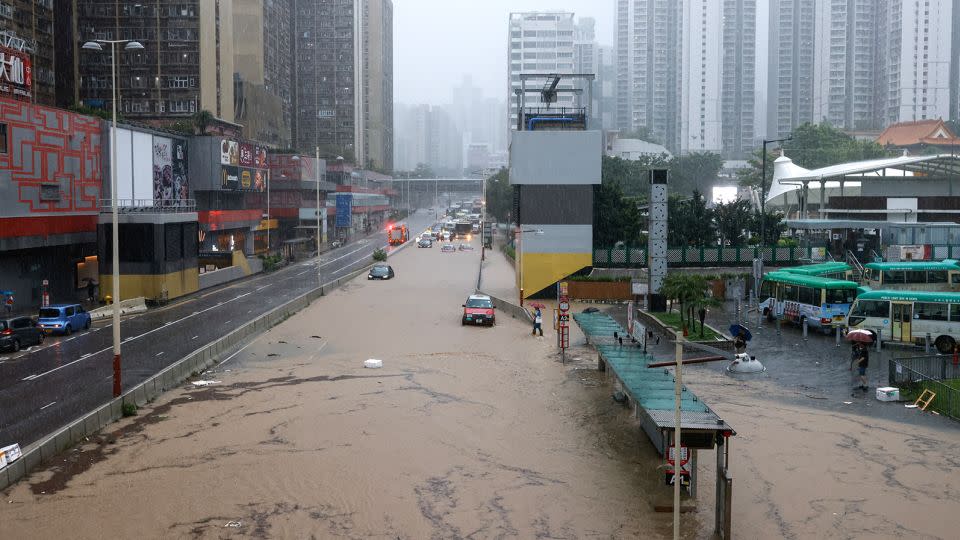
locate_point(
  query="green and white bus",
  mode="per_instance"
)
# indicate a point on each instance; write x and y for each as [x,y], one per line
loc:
[834,270]
[822,302]
[913,275]
[908,316]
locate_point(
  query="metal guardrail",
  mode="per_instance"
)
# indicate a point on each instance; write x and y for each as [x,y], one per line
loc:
[916,374]
[133,206]
[710,256]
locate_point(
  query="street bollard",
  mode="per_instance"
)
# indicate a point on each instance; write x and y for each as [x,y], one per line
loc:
[836,333]
[804,329]
[778,326]
[879,330]
[926,344]
[738,311]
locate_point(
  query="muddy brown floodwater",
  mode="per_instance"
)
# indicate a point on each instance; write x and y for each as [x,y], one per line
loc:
[464,433]
[467,433]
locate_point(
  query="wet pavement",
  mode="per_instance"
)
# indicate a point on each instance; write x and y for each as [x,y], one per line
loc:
[46,387]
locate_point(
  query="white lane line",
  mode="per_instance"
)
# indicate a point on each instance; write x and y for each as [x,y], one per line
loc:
[261,288]
[47,405]
[70,338]
[227,359]
[160,353]
[58,368]
[302,273]
[86,355]
[194,337]
[227,322]
[29,377]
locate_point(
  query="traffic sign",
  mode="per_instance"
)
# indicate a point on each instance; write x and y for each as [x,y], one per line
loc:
[564,288]
[564,317]
[564,304]
[669,477]
[684,455]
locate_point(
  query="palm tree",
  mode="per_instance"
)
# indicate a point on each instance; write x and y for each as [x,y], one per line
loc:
[690,290]
[203,119]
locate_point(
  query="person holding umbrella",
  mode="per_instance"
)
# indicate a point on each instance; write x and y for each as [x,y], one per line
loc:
[741,335]
[860,355]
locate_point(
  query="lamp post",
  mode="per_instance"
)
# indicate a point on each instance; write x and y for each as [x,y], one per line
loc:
[97,45]
[763,188]
[519,255]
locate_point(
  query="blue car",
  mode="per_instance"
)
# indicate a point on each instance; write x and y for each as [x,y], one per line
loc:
[63,319]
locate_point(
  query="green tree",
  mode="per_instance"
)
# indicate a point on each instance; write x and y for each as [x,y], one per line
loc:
[733,220]
[423,170]
[615,218]
[688,290]
[694,171]
[819,145]
[690,222]
[500,196]
[774,227]
[203,119]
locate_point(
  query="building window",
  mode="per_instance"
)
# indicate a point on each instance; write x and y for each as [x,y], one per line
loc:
[3,138]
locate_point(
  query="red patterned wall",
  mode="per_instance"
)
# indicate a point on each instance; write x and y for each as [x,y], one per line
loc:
[53,149]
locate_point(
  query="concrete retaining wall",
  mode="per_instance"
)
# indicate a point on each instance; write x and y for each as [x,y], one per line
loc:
[170,377]
[221,276]
[134,305]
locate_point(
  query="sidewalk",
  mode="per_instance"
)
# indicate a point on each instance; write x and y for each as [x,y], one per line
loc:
[499,278]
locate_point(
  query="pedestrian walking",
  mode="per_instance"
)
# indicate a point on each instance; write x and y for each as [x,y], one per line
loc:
[860,357]
[8,303]
[537,322]
[91,291]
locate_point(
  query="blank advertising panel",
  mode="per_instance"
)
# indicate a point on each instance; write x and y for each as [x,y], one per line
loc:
[124,172]
[142,166]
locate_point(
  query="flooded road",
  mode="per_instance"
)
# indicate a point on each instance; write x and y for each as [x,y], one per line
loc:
[464,433]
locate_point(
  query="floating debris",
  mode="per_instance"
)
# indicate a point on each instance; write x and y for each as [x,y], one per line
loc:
[373,363]
[205,383]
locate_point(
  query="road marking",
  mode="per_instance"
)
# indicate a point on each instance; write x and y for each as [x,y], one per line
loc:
[47,405]
[160,353]
[69,339]
[261,288]
[227,359]
[227,322]
[86,355]
[29,377]
[194,337]
[302,273]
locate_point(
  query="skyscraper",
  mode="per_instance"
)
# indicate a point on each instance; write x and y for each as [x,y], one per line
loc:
[327,68]
[649,63]
[790,65]
[263,58]
[737,95]
[33,22]
[539,43]
[377,54]
[917,54]
[186,64]
[701,76]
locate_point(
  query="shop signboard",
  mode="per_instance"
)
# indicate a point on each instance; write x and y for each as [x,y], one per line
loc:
[344,209]
[229,177]
[243,166]
[16,74]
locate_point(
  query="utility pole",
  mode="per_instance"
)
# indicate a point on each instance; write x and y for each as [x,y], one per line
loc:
[763,190]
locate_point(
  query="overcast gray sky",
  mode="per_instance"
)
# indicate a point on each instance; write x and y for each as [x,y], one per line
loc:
[436,42]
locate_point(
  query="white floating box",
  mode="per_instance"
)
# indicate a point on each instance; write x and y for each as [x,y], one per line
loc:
[373,363]
[8,454]
[888,393]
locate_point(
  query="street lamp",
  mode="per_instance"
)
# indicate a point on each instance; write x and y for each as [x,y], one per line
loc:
[519,255]
[763,189]
[97,45]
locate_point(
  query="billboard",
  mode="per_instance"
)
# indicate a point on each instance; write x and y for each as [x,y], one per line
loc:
[344,210]
[243,166]
[151,169]
[181,182]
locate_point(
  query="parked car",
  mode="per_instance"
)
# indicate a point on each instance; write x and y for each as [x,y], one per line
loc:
[63,319]
[381,271]
[19,332]
[478,309]
[448,248]
[425,243]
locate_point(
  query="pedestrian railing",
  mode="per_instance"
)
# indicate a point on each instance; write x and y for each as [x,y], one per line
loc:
[636,257]
[939,374]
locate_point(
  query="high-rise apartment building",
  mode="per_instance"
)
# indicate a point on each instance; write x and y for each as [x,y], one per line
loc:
[790,65]
[186,64]
[539,43]
[649,64]
[917,58]
[701,66]
[33,22]
[605,89]
[343,79]
[326,101]
[263,59]
[377,56]
[845,63]
[737,93]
